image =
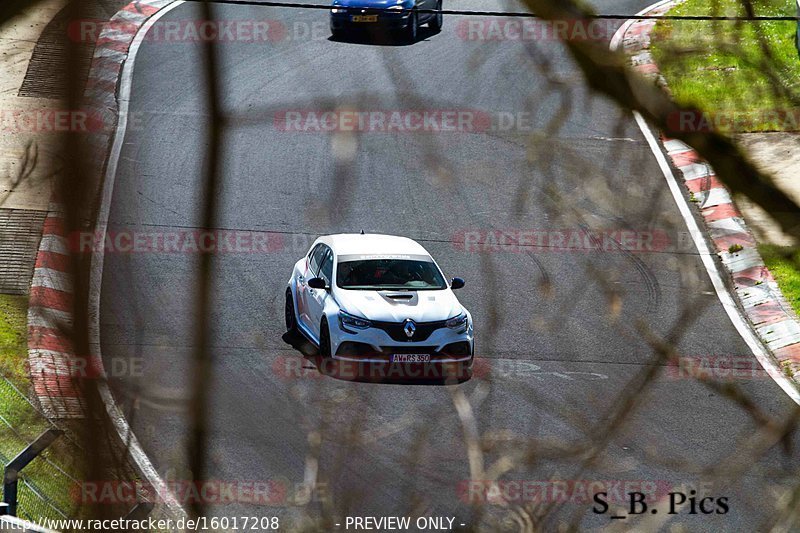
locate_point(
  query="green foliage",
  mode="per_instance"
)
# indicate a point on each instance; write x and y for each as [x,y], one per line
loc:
[784,264]
[744,74]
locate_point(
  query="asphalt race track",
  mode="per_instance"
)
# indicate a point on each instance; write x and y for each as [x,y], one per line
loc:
[560,349]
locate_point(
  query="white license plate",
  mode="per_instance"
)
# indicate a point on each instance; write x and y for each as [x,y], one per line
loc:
[364,18]
[411,358]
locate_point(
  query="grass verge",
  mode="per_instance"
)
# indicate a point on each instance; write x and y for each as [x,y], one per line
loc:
[784,265]
[13,338]
[745,76]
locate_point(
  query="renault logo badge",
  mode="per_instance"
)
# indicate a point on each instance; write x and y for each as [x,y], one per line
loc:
[409,328]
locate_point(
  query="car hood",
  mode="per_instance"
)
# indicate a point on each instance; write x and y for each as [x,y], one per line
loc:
[366,3]
[389,306]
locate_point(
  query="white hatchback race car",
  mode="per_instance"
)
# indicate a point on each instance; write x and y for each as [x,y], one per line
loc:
[378,299]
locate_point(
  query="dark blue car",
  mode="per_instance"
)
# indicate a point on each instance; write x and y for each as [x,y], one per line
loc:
[384,16]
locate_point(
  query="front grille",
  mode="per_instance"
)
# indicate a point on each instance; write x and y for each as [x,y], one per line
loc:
[409,349]
[423,331]
[363,11]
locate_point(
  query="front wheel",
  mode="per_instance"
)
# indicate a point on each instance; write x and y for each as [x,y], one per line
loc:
[413,28]
[324,339]
[288,313]
[437,20]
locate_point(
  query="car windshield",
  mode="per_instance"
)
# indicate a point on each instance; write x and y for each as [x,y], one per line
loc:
[389,274]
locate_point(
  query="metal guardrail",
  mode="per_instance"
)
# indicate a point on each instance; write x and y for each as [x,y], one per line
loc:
[13,468]
[43,492]
[40,493]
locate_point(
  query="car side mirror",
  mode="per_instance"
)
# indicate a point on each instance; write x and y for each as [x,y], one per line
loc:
[457,283]
[317,283]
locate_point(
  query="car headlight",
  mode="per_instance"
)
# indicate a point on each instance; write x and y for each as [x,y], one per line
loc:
[457,322]
[398,7]
[336,10]
[349,321]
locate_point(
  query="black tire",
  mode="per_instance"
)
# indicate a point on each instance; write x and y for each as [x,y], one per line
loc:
[324,339]
[337,35]
[412,31]
[288,313]
[437,20]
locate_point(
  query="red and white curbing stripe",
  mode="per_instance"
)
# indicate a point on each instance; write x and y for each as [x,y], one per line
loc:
[50,321]
[770,315]
[51,359]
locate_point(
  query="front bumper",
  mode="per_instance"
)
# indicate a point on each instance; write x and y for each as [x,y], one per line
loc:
[381,345]
[384,20]
[456,352]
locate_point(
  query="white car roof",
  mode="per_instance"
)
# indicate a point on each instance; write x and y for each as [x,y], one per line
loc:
[372,244]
